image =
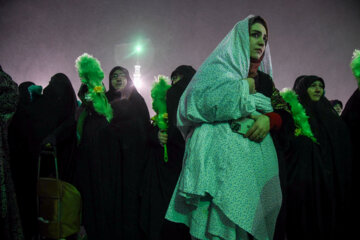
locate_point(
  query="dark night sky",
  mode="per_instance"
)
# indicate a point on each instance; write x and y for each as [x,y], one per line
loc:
[41,38]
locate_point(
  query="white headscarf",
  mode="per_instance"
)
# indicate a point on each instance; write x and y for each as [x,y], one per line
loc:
[216,92]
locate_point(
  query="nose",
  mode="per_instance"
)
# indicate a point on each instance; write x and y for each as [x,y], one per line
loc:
[318,89]
[261,42]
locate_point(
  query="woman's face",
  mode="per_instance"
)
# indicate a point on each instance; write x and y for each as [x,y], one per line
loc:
[315,91]
[176,79]
[338,108]
[258,39]
[118,80]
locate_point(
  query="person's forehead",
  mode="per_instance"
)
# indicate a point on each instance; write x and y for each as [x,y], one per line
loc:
[119,72]
[317,82]
[258,27]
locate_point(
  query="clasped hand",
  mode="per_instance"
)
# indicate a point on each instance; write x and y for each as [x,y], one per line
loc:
[259,129]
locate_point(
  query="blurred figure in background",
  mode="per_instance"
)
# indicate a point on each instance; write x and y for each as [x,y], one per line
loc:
[20,152]
[10,223]
[337,105]
[47,120]
[160,176]
[52,118]
[351,116]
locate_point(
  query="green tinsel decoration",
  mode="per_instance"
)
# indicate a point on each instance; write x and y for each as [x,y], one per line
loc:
[299,114]
[91,74]
[158,94]
[355,64]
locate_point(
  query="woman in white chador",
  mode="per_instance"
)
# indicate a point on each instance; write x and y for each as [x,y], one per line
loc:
[229,185]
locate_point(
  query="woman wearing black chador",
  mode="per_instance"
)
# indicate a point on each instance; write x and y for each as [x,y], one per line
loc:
[130,126]
[318,165]
[161,176]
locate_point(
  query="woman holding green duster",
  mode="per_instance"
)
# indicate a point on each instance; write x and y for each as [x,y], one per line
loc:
[318,166]
[161,176]
[130,125]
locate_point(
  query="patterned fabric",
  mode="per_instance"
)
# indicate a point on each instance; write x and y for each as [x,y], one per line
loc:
[10,226]
[229,186]
[278,102]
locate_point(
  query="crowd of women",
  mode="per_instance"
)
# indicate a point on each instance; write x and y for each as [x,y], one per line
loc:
[245,161]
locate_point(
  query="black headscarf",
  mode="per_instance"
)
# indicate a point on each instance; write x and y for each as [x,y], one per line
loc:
[25,96]
[174,93]
[57,103]
[321,113]
[126,92]
[60,93]
[336,101]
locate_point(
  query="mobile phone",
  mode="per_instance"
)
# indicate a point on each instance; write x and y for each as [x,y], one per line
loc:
[241,125]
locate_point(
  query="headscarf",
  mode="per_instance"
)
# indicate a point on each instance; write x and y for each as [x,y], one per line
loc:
[57,104]
[302,83]
[230,63]
[127,102]
[321,112]
[255,63]
[24,93]
[232,56]
[126,92]
[335,102]
[184,70]
[174,93]
[60,94]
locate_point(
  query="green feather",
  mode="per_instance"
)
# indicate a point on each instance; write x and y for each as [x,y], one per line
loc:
[91,74]
[298,113]
[158,94]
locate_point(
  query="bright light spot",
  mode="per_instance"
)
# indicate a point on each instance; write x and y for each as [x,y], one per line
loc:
[138,49]
[138,84]
[137,77]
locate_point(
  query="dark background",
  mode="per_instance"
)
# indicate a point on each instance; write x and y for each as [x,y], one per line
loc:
[41,38]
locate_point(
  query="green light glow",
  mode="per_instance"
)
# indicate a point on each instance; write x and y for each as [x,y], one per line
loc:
[138,49]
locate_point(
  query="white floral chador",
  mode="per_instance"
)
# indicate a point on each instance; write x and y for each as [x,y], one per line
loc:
[229,186]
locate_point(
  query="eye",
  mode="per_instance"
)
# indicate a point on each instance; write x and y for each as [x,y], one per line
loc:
[255,35]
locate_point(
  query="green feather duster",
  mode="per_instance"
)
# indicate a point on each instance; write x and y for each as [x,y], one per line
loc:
[355,65]
[91,74]
[158,94]
[298,114]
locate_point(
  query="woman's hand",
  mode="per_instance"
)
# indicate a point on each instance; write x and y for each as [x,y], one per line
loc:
[251,83]
[259,129]
[162,136]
